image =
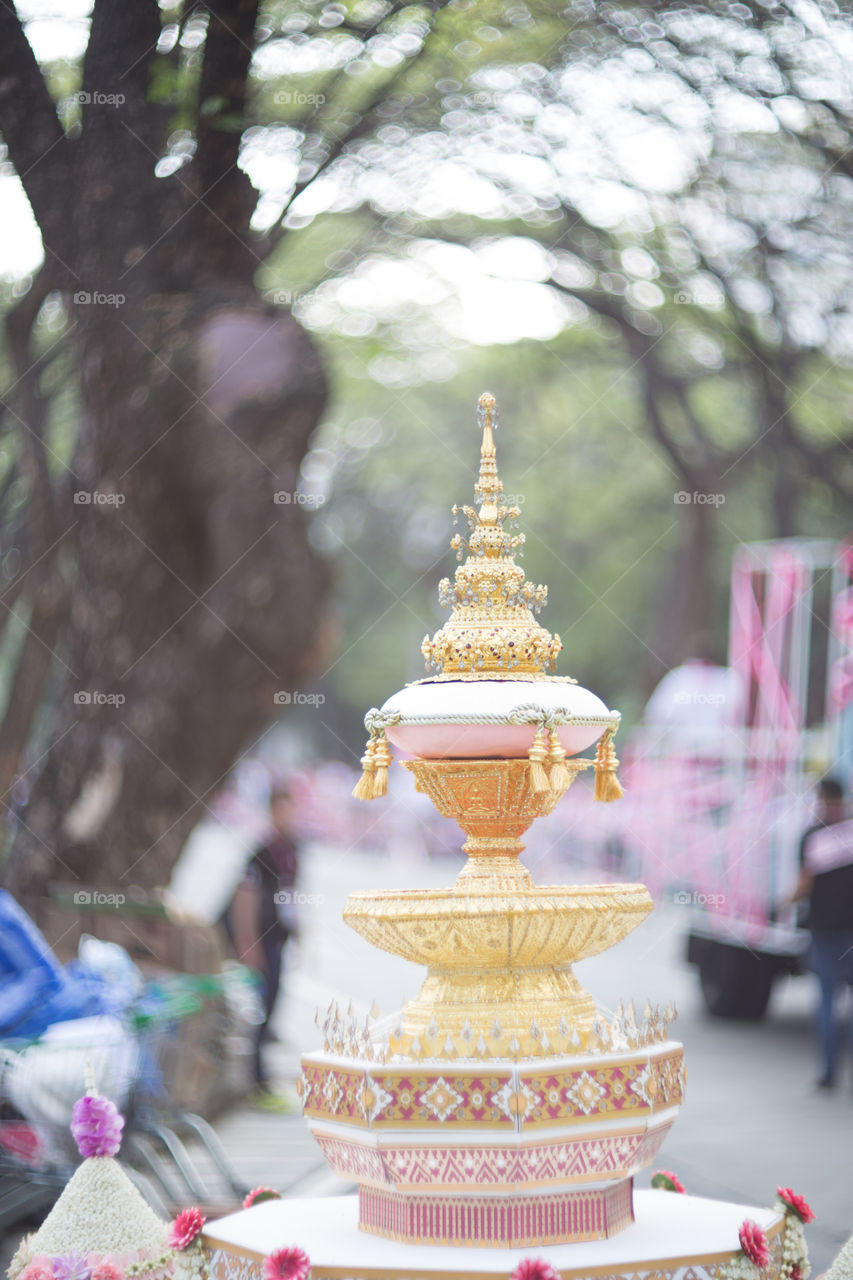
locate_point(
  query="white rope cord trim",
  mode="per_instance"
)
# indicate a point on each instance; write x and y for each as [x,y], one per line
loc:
[377,721]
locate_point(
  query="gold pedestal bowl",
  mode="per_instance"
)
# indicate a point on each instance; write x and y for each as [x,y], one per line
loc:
[498,949]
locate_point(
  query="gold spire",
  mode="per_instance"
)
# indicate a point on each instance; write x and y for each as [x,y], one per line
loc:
[491,630]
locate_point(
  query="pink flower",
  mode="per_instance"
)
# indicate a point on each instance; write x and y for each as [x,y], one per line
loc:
[753,1241]
[796,1273]
[186,1227]
[663,1180]
[791,1200]
[36,1271]
[96,1124]
[259,1194]
[534,1269]
[107,1271]
[287,1264]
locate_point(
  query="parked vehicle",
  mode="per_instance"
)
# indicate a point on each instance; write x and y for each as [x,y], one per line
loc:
[720,790]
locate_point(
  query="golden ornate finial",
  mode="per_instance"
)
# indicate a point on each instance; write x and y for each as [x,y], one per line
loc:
[491,631]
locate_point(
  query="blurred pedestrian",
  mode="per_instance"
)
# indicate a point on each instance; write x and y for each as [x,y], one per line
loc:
[261,920]
[826,883]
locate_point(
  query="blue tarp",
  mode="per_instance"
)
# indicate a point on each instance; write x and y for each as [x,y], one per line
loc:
[35,989]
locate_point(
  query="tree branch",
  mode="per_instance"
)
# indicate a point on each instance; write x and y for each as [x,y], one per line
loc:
[37,145]
[226,196]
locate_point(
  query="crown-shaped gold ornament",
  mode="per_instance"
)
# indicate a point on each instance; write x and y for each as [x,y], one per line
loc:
[491,631]
[492,639]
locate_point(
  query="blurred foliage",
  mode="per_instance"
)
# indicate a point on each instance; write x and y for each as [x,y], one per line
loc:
[631,222]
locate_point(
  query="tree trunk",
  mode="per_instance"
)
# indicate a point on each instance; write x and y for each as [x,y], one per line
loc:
[194,594]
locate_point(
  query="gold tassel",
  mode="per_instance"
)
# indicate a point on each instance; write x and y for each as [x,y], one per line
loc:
[363,789]
[538,754]
[607,786]
[559,776]
[381,761]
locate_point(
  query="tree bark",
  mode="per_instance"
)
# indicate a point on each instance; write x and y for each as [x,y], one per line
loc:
[195,596]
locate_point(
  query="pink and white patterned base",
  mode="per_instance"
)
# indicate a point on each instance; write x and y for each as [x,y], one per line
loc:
[550,1162]
[674,1237]
[508,1220]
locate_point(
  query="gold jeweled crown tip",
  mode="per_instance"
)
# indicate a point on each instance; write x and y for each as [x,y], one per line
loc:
[491,631]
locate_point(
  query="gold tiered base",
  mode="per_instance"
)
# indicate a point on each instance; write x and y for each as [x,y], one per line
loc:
[498,949]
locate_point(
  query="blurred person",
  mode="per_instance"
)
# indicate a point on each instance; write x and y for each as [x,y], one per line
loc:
[697,695]
[262,919]
[826,884]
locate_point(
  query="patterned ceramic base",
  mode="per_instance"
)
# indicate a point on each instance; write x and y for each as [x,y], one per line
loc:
[425,1142]
[495,1096]
[512,1220]
[674,1237]
[542,1163]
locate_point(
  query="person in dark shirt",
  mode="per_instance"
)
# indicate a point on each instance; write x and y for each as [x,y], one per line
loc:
[262,920]
[826,883]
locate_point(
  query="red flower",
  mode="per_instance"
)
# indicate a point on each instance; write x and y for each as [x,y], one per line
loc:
[791,1200]
[186,1227]
[796,1273]
[534,1269]
[663,1180]
[753,1241]
[259,1194]
[287,1264]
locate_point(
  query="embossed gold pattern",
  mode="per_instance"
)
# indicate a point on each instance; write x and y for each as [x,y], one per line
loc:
[498,949]
[491,629]
[502,1047]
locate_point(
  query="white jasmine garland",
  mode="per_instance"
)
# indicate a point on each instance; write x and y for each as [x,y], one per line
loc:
[842,1266]
[795,1256]
[101,1211]
[740,1268]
